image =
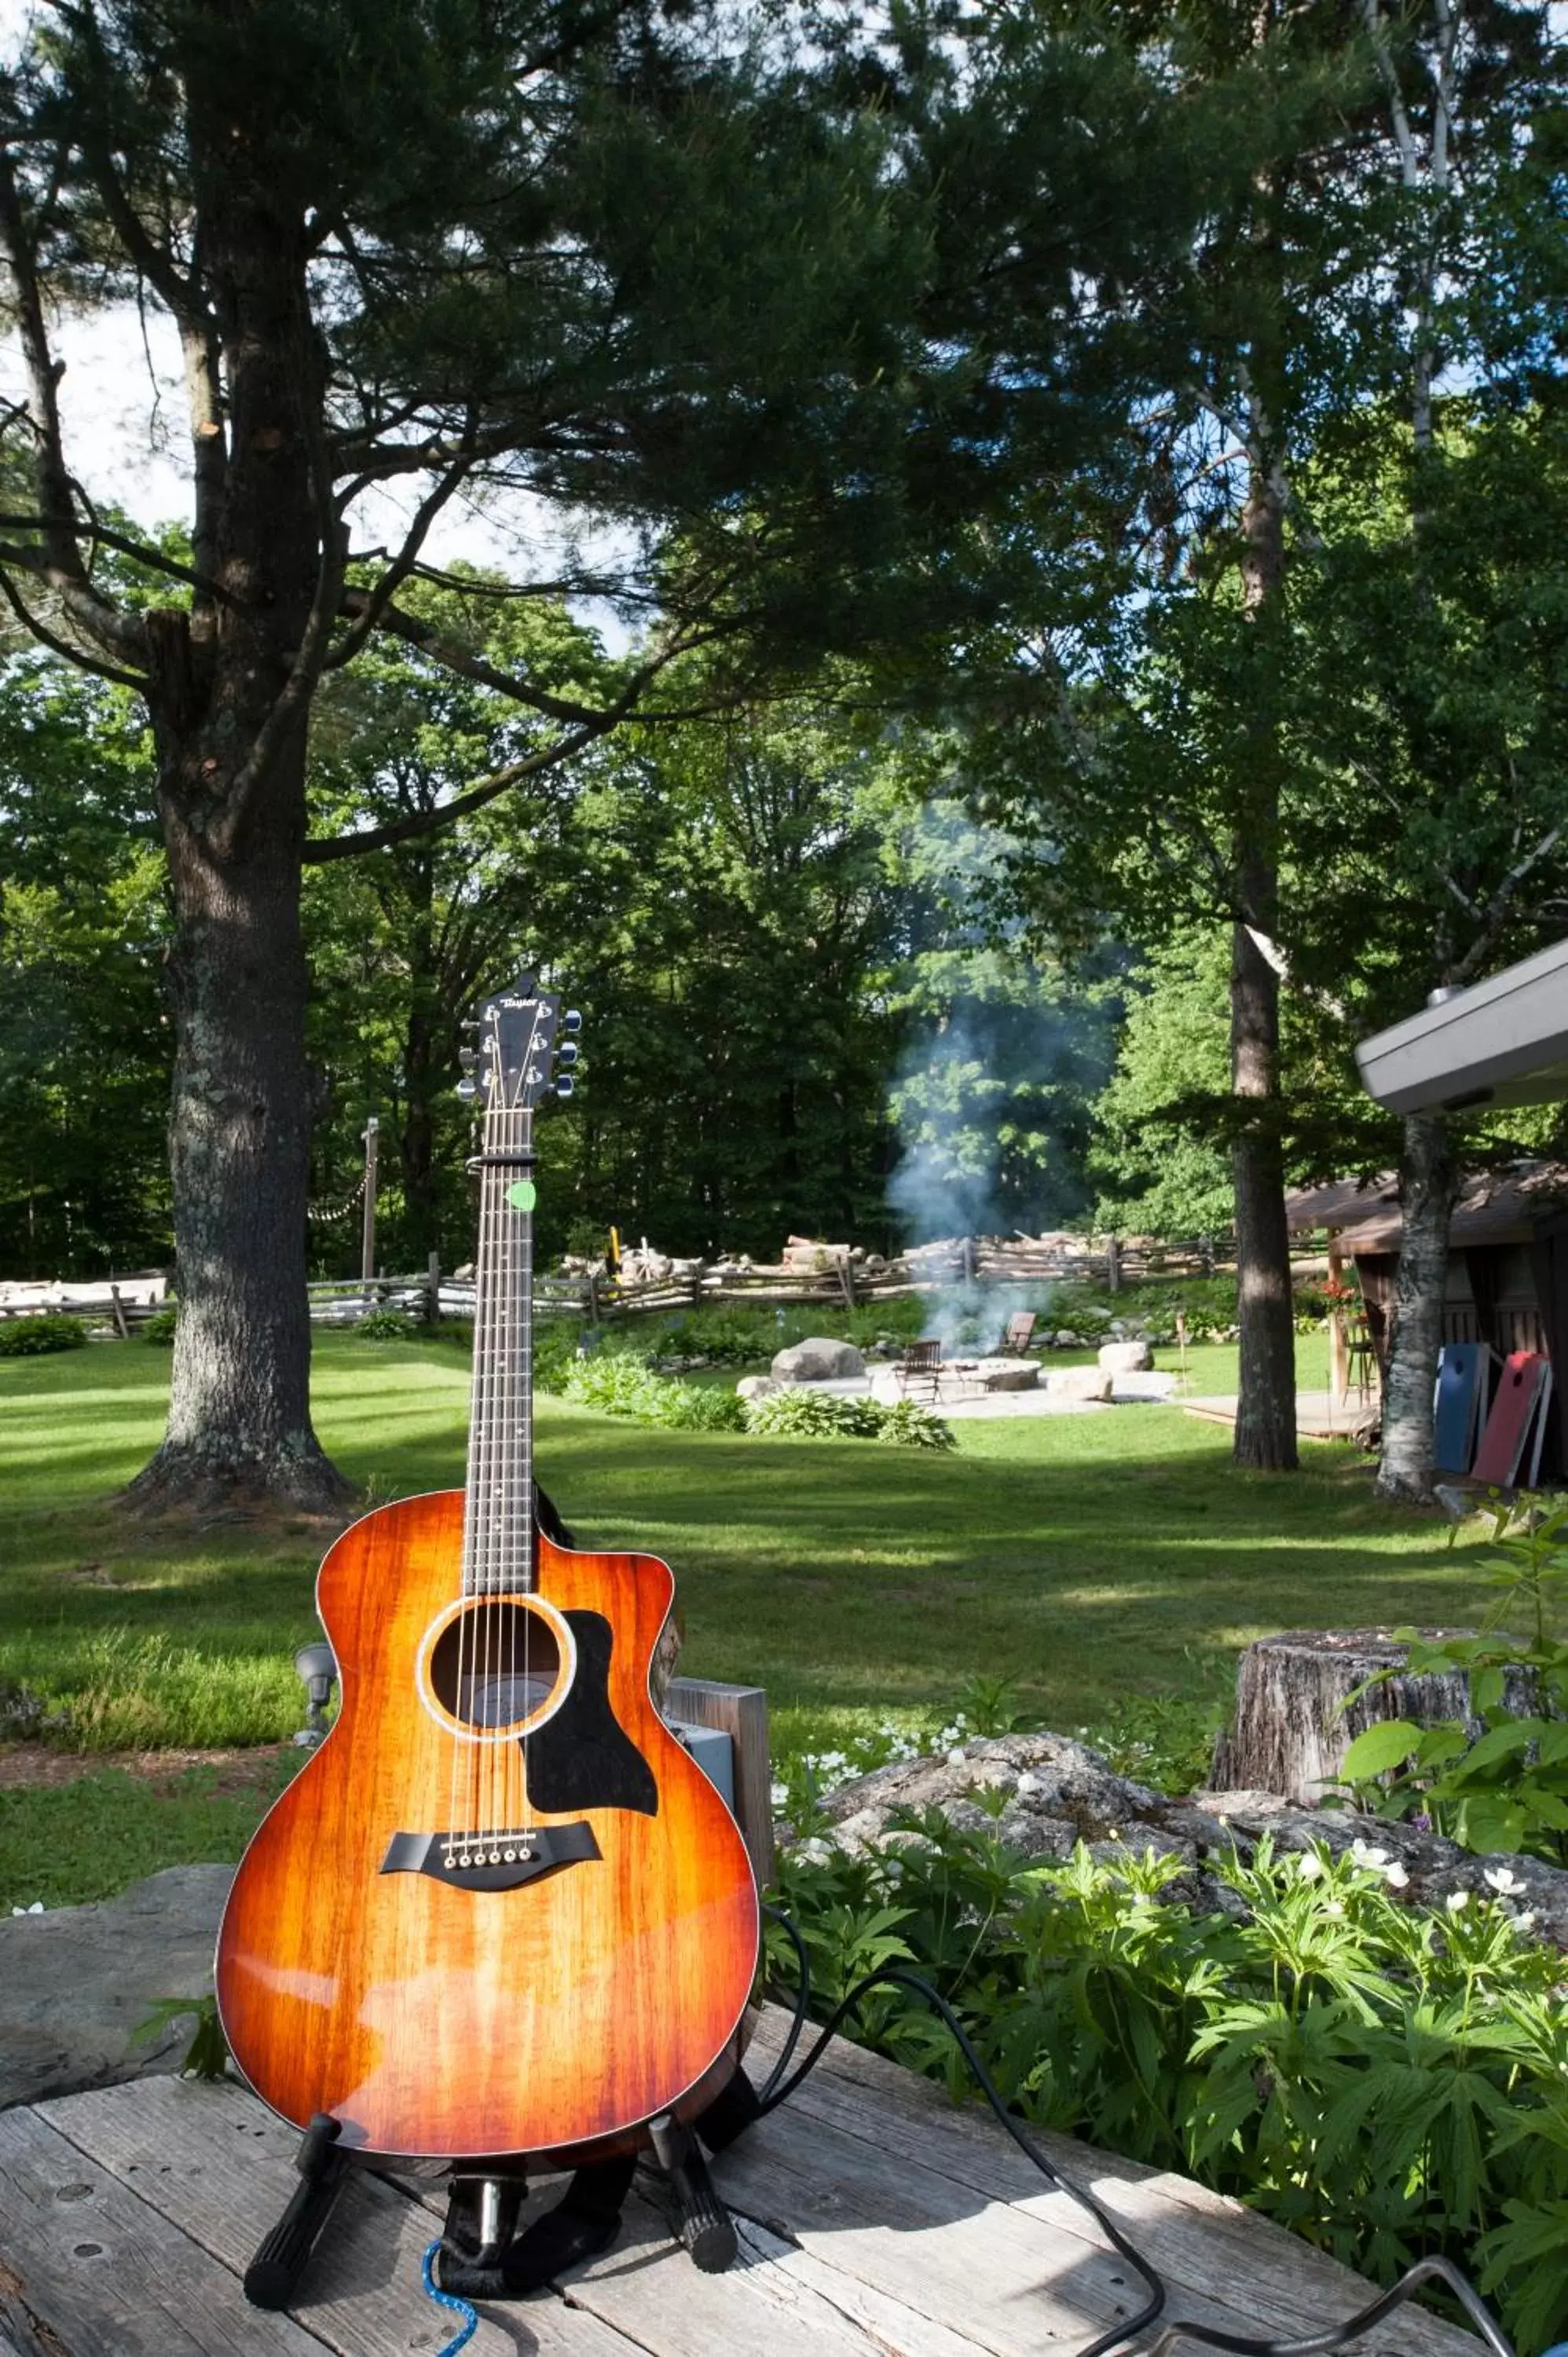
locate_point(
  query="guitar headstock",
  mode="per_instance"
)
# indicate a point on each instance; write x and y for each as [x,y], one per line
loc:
[514,1063]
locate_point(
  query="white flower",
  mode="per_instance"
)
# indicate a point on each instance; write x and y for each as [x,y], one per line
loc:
[1309,1866]
[1524,1921]
[1028,1781]
[1503,1881]
[1395,1876]
[1334,1907]
[955,1757]
[777,1794]
[1375,1859]
[1456,1901]
[36,1908]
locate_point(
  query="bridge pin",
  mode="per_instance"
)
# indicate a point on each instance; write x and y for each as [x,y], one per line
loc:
[509,1854]
[525,1855]
[495,1857]
[465,1859]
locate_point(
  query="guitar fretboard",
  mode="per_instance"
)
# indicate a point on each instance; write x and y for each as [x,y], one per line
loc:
[498,1519]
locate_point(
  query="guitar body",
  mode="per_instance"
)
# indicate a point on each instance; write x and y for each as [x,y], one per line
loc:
[572,1950]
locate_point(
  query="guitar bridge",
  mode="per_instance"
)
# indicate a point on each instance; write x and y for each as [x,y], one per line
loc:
[491,1859]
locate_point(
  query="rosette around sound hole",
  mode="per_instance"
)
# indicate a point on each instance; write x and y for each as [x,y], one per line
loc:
[496,1665]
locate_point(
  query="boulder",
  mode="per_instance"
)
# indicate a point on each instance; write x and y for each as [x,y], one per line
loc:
[1006,1375]
[756,1387]
[818,1360]
[1079,1383]
[1064,1338]
[76,1982]
[1055,1792]
[1133,1357]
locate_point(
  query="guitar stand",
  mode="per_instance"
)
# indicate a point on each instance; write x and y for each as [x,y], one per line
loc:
[482,2255]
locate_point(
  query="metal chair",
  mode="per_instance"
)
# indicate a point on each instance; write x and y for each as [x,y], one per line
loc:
[1361,1360]
[921,1363]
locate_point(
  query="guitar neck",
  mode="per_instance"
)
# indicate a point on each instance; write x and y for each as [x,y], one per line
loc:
[498,1519]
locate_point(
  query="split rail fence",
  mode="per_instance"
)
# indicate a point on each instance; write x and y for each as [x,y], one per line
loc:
[834,1277]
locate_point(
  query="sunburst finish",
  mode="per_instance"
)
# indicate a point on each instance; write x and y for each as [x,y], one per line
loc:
[442,2021]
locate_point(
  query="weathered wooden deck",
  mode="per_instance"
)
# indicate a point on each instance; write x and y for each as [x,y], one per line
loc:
[875,2221]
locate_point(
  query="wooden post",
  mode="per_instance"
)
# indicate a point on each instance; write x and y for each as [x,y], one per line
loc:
[742,1712]
[368,1232]
[433,1287]
[846,1280]
[968,1260]
[118,1313]
[593,1298]
[1113,1265]
[1338,1357]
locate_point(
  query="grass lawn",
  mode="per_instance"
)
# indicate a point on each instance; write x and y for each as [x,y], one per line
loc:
[1086,1557]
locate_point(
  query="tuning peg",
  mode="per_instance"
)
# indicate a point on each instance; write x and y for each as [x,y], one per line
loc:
[468,1058]
[567,1056]
[467,1091]
[573,1019]
[469,1023]
[564,1087]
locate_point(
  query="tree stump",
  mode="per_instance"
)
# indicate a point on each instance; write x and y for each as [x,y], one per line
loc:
[1292,1731]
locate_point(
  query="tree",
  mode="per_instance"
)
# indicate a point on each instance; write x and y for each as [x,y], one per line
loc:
[83,929]
[1171,772]
[403,244]
[576,254]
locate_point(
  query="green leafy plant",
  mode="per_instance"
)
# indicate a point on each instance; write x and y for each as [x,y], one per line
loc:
[25,1338]
[1385,2080]
[906,1423]
[160,1328]
[388,1326]
[207,2056]
[1505,1787]
[800,1414]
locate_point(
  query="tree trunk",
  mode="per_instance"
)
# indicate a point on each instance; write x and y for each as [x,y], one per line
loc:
[239,1146]
[1265,1409]
[1428,1183]
[1293,1724]
[228,696]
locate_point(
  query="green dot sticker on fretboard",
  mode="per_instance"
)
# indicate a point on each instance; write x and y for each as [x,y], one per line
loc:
[523,1195]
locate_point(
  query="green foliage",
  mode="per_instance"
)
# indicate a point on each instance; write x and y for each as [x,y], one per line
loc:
[1385,2080]
[386,1325]
[28,1337]
[907,1424]
[207,2056]
[1508,1788]
[160,1327]
[799,1413]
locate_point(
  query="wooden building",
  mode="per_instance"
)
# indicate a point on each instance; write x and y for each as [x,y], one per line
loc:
[1507,1263]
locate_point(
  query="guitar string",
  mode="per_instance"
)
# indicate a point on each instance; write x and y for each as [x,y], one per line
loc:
[527,1578]
[470,1507]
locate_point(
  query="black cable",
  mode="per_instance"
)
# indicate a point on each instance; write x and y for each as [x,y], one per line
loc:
[779,2087]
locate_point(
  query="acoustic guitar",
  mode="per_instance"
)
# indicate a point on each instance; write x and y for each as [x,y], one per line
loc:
[499,1911]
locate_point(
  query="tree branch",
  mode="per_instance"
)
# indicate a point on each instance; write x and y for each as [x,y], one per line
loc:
[318,852]
[61,568]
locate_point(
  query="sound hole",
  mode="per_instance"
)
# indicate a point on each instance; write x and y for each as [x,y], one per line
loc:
[494,1665]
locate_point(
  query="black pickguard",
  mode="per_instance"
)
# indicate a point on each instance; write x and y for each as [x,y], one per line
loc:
[581,1758]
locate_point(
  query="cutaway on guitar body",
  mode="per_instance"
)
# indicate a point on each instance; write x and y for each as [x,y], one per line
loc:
[458,2001]
[500,1909]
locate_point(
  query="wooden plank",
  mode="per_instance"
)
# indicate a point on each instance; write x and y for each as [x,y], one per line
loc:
[647,2288]
[742,1712]
[219,2167]
[985,2270]
[1196,2238]
[90,2270]
[778,2299]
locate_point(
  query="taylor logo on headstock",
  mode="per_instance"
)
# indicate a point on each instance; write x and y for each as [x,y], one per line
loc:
[514,1062]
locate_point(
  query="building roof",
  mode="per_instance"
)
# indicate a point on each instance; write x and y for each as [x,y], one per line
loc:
[1494,1207]
[1503,1041]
